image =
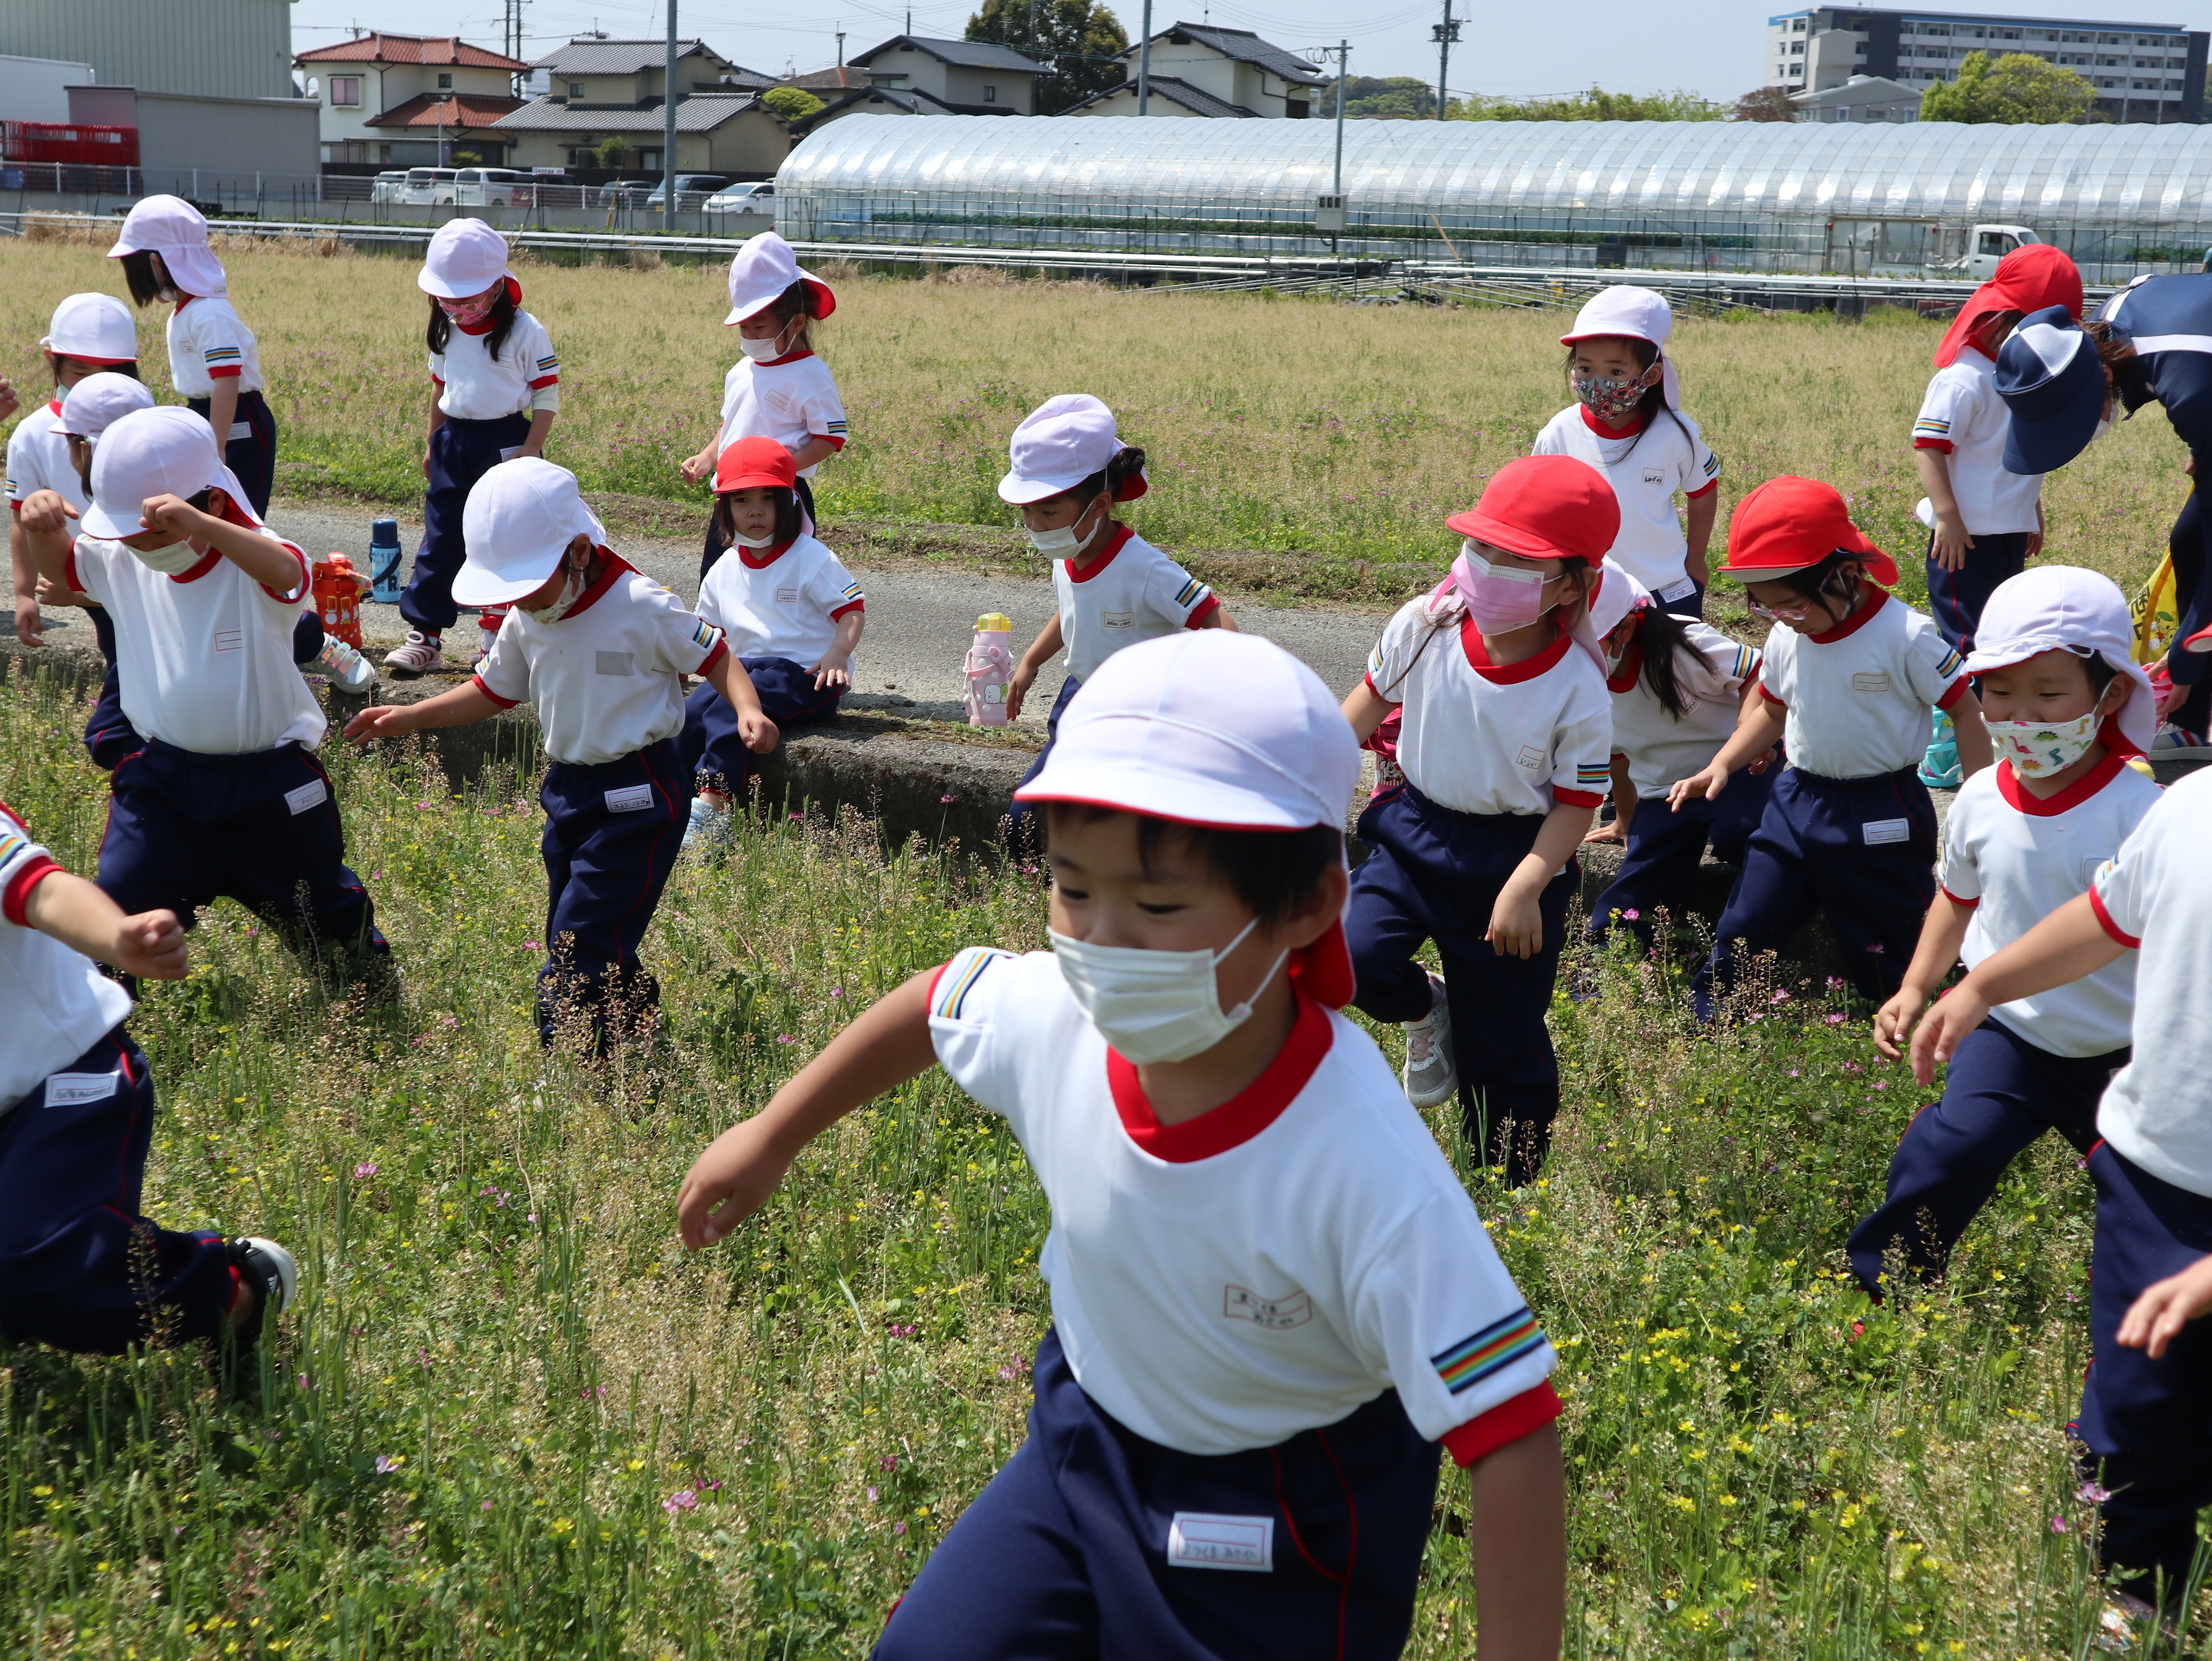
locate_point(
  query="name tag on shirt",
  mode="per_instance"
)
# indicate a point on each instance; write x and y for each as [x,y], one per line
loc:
[1531,757]
[1292,1309]
[1118,619]
[1869,681]
[1683,590]
[230,640]
[314,794]
[786,596]
[1878,831]
[630,798]
[614,663]
[1654,475]
[1206,1540]
[74,1089]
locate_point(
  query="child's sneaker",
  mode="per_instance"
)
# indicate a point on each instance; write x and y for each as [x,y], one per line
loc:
[709,826]
[1940,769]
[1431,1074]
[418,655]
[487,625]
[272,1273]
[348,670]
[2169,737]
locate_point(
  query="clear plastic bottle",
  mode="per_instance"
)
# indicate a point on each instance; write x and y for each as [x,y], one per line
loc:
[989,668]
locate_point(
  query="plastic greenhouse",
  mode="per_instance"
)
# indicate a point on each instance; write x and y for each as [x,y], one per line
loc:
[1862,199]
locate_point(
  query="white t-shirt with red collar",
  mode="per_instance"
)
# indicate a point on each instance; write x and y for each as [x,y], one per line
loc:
[1478,739]
[474,385]
[205,657]
[209,342]
[1228,1282]
[38,459]
[54,1004]
[1963,417]
[780,603]
[605,679]
[2015,858]
[1130,590]
[1859,696]
[790,400]
[1661,746]
[1645,469]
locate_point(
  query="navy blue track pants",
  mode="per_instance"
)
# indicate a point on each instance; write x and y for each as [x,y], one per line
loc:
[1023,831]
[80,1267]
[461,453]
[612,832]
[2000,1093]
[2146,1424]
[1955,598]
[1659,866]
[1066,1553]
[1863,851]
[1433,874]
[251,454]
[709,746]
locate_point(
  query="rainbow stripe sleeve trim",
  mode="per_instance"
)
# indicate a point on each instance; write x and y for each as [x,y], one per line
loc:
[959,979]
[1499,1345]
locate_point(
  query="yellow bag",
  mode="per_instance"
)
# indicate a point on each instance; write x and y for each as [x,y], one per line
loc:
[2154,614]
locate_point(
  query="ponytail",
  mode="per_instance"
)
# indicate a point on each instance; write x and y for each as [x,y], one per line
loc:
[1116,478]
[1662,635]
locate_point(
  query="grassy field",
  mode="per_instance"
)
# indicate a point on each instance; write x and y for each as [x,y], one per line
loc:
[1330,441]
[511,1419]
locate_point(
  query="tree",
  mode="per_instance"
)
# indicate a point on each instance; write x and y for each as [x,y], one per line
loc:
[2017,88]
[1399,97]
[792,103]
[1596,105]
[1766,104]
[1078,41]
[610,153]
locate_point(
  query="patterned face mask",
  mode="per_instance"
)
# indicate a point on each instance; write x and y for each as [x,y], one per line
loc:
[1609,400]
[470,310]
[2037,749]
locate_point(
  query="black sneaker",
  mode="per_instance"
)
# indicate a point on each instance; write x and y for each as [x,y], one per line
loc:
[272,1275]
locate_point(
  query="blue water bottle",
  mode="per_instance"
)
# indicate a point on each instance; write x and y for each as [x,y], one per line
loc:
[383,562]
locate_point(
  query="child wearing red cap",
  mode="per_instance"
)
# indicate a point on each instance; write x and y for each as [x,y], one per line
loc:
[790,612]
[1849,675]
[1273,1305]
[1505,743]
[1984,522]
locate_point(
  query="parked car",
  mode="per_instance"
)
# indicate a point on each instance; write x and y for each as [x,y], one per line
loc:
[624,192]
[492,188]
[692,189]
[743,198]
[386,185]
[428,188]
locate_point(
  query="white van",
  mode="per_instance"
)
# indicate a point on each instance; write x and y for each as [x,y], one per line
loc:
[428,188]
[491,187]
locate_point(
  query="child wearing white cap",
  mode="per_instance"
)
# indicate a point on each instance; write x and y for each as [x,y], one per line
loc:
[1626,421]
[214,359]
[779,388]
[2066,706]
[1274,1307]
[498,388]
[1067,468]
[599,652]
[225,797]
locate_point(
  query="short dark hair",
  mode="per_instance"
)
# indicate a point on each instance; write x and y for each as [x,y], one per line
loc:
[138,276]
[1272,871]
[2093,666]
[98,366]
[788,520]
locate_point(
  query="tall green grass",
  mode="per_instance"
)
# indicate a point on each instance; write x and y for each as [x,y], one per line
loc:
[511,1419]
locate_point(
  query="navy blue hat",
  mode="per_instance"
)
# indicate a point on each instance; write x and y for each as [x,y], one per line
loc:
[2050,379]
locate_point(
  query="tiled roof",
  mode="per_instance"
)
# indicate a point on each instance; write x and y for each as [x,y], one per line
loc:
[461,109]
[843,75]
[380,48]
[899,98]
[1196,99]
[701,113]
[1246,48]
[616,56]
[965,54]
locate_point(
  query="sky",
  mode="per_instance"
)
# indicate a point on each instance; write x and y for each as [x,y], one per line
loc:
[1624,45]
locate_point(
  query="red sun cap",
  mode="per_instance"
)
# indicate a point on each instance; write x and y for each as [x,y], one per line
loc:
[1545,508]
[749,462]
[1789,524]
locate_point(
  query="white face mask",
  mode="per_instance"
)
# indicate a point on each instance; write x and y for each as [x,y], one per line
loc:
[2037,749]
[764,349]
[572,590]
[1063,543]
[1155,1006]
[745,541]
[173,561]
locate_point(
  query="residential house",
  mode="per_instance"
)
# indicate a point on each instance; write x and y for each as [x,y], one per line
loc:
[1862,98]
[629,74]
[595,90]
[1213,72]
[959,77]
[394,98]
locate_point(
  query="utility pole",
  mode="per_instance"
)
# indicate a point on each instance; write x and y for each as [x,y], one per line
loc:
[841,49]
[1343,62]
[668,130]
[1145,65]
[1444,34]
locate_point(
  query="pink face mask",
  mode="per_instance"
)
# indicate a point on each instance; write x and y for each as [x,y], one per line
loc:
[470,310]
[1500,598]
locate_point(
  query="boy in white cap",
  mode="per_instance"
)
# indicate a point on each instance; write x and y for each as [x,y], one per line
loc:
[779,388]
[1626,421]
[599,652]
[2066,705]
[498,386]
[1273,1305]
[225,797]
[214,360]
[1067,468]
[81,1267]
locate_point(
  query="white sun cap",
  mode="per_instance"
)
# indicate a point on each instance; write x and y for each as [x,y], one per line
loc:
[172,227]
[1627,312]
[1061,442]
[463,258]
[97,402]
[1618,594]
[150,452]
[94,328]
[2047,608]
[1207,727]
[763,269]
[519,520]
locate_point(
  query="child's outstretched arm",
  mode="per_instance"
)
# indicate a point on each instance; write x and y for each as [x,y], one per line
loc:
[1517,1548]
[1759,728]
[1048,641]
[1942,935]
[80,915]
[264,559]
[728,677]
[885,1046]
[835,668]
[455,708]
[2064,947]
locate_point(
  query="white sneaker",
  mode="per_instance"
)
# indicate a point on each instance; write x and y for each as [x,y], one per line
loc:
[418,655]
[346,667]
[274,1275]
[1431,1074]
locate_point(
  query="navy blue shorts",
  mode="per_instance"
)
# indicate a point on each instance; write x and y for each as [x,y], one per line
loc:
[1955,598]
[1659,866]
[709,748]
[251,454]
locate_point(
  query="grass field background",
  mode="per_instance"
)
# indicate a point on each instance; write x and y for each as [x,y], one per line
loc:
[1341,435]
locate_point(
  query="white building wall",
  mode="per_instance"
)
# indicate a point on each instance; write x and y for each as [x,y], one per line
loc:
[209,48]
[35,88]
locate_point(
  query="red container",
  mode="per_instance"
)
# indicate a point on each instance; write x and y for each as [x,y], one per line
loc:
[71,142]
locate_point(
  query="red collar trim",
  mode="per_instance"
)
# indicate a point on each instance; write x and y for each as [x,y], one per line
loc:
[1114,543]
[788,357]
[1631,665]
[1643,420]
[1876,597]
[614,566]
[207,562]
[2018,797]
[54,408]
[1470,641]
[185,300]
[760,561]
[1240,1118]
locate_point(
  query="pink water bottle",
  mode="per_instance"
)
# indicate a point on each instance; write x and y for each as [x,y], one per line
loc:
[989,668]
